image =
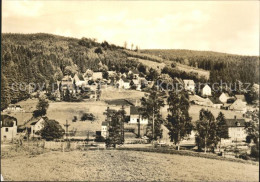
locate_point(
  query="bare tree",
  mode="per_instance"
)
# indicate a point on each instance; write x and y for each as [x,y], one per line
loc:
[125,44]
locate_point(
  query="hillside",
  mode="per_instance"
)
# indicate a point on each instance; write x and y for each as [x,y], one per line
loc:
[222,66]
[44,58]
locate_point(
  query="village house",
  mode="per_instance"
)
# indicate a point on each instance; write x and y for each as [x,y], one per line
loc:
[8,128]
[104,129]
[135,73]
[189,85]
[241,97]
[201,101]
[236,129]
[216,103]
[66,80]
[136,83]
[136,116]
[13,108]
[239,106]
[88,74]
[206,91]
[78,80]
[36,126]
[143,81]
[123,83]
[224,97]
[97,76]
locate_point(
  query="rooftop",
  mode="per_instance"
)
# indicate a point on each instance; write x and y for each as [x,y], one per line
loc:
[235,122]
[8,121]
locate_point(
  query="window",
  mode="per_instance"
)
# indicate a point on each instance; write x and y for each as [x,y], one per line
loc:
[6,129]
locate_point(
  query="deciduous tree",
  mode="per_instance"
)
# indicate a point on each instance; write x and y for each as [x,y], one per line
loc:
[179,121]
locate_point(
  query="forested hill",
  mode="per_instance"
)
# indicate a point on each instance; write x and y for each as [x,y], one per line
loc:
[222,66]
[45,58]
[41,58]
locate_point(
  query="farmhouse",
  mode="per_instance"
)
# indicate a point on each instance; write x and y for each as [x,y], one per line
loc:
[66,80]
[143,81]
[189,85]
[136,83]
[36,126]
[215,102]
[238,106]
[78,80]
[206,91]
[236,129]
[104,129]
[8,127]
[135,73]
[88,74]
[13,108]
[224,97]
[136,116]
[124,83]
[241,97]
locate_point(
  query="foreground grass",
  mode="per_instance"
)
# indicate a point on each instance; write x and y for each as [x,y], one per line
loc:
[115,165]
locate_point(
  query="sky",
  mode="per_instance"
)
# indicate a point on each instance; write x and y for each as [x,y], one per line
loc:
[222,26]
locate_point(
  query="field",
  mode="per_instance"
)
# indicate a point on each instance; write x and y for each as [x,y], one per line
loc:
[182,67]
[62,111]
[114,165]
[29,106]
[195,109]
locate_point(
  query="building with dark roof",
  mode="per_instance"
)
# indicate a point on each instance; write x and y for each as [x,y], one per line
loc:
[236,129]
[8,127]
[104,129]
[136,116]
[216,102]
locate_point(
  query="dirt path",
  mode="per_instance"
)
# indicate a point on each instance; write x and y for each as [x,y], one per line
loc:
[124,165]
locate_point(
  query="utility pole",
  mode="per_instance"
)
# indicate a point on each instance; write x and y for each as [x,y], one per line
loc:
[153,123]
[87,137]
[67,127]
[122,124]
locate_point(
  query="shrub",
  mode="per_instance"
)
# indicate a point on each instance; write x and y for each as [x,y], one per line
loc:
[87,116]
[255,152]
[244,156]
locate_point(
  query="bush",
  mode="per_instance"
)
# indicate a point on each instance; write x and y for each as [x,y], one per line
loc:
[244,156]
[255,152]
[87,116]
[100,138]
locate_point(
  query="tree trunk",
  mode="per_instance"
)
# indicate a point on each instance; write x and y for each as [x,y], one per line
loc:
[219,144]
[153,123]
[205,149]
[178,140]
